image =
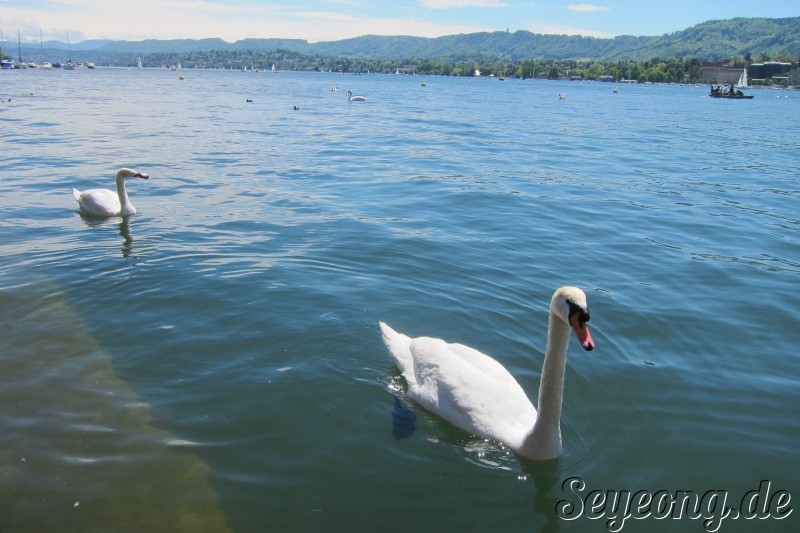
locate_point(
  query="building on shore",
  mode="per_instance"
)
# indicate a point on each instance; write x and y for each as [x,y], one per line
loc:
[769,69]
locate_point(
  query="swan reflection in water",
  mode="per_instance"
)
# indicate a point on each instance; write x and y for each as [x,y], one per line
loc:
[403,420]
[125,233]
[124,226]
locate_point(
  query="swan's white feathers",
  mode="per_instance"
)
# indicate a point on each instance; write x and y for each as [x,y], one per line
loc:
[98,201]
[398,345]
[464,386]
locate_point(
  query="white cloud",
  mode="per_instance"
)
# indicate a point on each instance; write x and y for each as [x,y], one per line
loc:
[136,20]
[447,4]
[586,8]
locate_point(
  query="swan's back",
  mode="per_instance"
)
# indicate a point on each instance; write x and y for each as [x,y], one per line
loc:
[464,386]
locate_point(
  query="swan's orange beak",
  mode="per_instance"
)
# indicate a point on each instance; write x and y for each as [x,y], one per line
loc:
[581,331]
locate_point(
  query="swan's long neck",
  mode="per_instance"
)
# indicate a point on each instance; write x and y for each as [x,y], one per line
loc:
[125,204]
[544,440]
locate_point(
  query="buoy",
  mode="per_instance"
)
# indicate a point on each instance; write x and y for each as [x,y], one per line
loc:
[181,78]
[424,84]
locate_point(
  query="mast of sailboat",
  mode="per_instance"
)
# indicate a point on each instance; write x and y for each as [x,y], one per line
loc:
[69,45]
[19,46]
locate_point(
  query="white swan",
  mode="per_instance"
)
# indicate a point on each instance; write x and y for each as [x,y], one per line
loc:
[476,393]
[352,98]
[107,203]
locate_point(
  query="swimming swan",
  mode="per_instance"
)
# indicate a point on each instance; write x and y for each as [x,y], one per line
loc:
[352,98]
[107,203]
[476,393]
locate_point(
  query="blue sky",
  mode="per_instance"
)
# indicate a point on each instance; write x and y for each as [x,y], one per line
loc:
[327,20]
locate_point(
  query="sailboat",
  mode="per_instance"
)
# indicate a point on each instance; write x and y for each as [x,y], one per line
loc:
[69,65]
[742,83]
[46,65]
[21,64]
[139,63]
[5,64]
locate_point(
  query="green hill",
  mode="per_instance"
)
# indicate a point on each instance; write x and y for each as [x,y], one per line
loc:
[709,41]
[712,40]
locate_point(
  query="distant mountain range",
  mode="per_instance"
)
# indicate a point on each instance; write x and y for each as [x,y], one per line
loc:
[712,40]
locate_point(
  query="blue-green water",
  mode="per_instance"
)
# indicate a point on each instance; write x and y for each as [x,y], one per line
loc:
[214,362]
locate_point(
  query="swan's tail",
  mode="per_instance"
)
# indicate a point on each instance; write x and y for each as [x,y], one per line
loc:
[399,346]
[77,194]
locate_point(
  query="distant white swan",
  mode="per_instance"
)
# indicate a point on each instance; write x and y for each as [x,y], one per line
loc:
[352,98]
[476,393]
[107,203]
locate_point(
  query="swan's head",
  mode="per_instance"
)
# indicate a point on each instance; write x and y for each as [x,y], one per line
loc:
[125,173]
[569,304]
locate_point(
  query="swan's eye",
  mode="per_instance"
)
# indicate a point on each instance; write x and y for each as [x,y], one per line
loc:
[583,313]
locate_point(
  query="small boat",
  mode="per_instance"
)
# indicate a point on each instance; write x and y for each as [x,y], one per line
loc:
[90,65]
[6,64]
[731,94]
[46,66]
[139,62]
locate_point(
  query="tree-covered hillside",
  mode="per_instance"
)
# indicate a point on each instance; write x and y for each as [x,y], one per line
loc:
[709,41]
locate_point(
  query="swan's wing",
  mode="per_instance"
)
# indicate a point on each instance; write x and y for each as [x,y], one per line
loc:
[485,363]
[471,390]
[99,202]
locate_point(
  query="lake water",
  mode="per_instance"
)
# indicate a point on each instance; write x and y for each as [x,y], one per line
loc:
[213,363]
